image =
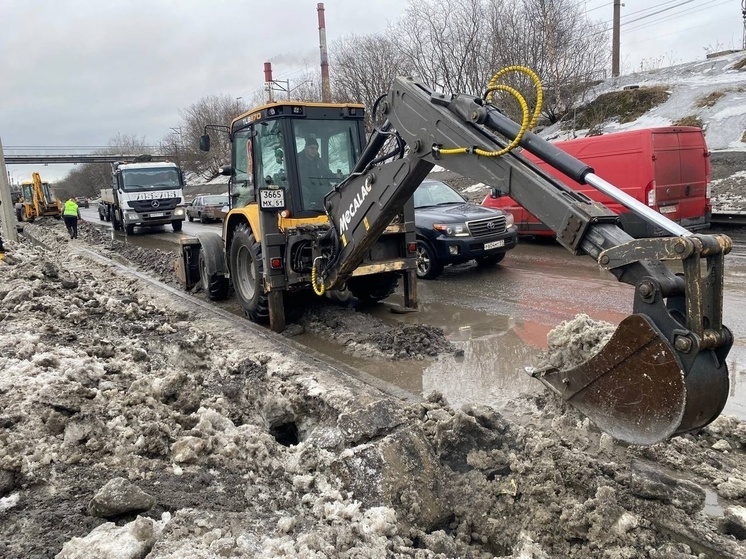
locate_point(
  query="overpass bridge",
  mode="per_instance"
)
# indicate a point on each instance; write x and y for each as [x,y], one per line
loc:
[72,158]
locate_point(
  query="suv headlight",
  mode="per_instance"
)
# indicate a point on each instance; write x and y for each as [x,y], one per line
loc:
[509,220]
[452,229]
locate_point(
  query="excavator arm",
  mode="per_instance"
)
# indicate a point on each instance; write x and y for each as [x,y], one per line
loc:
[663,372]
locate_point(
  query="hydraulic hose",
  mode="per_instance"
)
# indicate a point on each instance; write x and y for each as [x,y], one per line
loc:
[528,119]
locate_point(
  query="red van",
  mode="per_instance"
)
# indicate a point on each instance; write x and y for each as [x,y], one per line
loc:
[667,168]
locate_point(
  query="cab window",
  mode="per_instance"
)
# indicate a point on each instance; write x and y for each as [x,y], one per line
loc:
[243,176]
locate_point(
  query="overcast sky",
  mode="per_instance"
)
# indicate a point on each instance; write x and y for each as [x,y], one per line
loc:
[79,72]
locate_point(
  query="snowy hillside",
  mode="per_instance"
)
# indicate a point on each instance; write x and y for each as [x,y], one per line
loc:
[713,90]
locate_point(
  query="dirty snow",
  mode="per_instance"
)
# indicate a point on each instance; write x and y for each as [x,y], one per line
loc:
[116,395]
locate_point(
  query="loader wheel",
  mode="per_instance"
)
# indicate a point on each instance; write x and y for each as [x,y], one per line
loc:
[215,285]
[490,260]
[373,288]
[428,266]
[176,225]
[246,269]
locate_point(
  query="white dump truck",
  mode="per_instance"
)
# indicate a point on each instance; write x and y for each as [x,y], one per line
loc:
[142,194]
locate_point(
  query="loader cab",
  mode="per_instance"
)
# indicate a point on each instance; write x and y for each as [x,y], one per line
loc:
[305,148]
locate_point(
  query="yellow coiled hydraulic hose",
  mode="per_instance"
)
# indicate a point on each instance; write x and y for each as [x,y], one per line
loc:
[527,122]
[318,289]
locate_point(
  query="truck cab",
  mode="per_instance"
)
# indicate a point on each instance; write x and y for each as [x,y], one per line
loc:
[144,194]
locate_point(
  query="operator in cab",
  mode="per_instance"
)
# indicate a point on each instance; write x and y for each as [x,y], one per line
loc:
[314,174]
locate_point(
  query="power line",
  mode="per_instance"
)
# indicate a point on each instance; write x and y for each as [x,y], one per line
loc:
[670,17]
[658,12]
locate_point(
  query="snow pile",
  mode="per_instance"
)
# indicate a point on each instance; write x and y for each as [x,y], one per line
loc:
[115,397]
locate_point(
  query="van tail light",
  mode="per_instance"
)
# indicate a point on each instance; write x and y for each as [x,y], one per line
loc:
[708,191]
[650,194]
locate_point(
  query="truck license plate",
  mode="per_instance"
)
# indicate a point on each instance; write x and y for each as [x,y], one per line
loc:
[160,214]
[271,198]
[494,244]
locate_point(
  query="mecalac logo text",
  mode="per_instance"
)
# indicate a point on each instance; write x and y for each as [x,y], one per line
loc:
[350,212]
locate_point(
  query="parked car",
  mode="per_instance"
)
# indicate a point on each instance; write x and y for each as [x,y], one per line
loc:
[207,208]
[82,201]
[452,230]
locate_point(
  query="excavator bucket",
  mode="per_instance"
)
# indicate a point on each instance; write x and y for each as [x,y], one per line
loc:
[638,390]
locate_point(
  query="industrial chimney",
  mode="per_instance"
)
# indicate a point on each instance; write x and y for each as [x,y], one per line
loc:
[326,90]
[268,79]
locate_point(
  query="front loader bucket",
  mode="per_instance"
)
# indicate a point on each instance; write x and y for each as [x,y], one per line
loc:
[637,390]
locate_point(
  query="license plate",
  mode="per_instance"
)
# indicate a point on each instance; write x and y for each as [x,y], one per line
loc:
[494,244]
[160,214]
[271,198]
[667,209]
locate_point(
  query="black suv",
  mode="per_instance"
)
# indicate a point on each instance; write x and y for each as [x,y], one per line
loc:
[452,230]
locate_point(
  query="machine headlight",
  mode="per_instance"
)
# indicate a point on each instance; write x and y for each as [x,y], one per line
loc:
[452,229]
[179,211]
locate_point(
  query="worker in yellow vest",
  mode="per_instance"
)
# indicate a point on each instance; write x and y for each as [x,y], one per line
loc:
[71,213]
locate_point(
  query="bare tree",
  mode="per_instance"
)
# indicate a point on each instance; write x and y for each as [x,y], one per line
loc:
[363,69]
[556,40]
[213,110]
[446,45]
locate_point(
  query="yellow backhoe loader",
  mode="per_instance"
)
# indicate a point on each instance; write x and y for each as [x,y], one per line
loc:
[37,200]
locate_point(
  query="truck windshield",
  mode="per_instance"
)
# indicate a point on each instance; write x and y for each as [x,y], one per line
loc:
[150,179]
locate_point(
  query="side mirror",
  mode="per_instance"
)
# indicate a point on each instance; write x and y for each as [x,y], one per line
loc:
[225,170]
[204,142]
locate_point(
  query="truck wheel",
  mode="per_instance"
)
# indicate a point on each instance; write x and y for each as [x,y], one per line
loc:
[373,288]
[490,260]
[215,285]
[129,229]
[176,225]
[101,214]
[246,269]
[428,266]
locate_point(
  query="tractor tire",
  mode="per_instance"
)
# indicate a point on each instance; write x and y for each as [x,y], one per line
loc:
[428,265]
[373,288]
[214,285]
[176,225]
[247,268]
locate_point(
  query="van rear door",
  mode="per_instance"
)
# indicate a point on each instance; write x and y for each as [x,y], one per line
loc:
[681,163]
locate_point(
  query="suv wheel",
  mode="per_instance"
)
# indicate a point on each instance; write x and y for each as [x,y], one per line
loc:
[428,265]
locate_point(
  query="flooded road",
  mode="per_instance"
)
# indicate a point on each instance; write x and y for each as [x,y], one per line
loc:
[500,317]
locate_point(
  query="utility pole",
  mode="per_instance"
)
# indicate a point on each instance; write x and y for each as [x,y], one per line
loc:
[615,38]
[743,15]
[6,209]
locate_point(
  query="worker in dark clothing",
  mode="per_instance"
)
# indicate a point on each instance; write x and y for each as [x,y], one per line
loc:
[71,213]
[314,174]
